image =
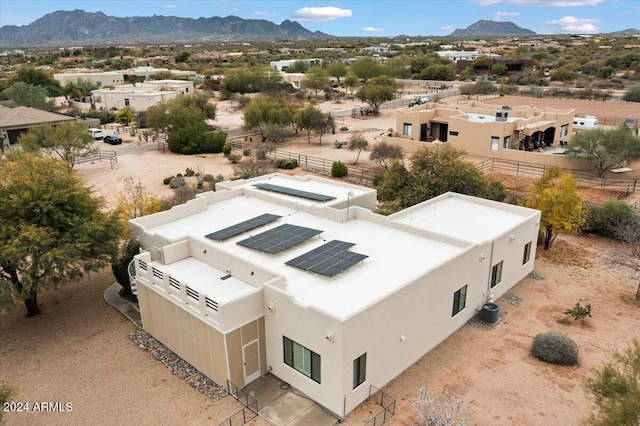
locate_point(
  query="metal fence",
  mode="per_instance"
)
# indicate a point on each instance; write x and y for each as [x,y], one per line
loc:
[112,156]
[387,403]
[620,185]
[243,397]
[240,418]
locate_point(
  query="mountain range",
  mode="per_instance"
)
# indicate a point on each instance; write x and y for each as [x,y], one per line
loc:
[484,28]
[78,27]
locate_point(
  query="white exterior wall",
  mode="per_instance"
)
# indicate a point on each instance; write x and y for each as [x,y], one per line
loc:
[101,79]
[105,99]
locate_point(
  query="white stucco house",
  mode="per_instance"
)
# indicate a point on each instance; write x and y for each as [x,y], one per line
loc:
[299,277]
[141,96]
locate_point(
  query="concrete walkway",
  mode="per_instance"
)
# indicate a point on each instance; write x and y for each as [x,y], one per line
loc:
[127,308]
[281,405]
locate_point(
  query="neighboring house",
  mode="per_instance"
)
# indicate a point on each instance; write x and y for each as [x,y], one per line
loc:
[511,64]
[141,96]
[144,72]
[100,78]
[286,63]
[457,55]
[314,287]
[519,132]
[16,121]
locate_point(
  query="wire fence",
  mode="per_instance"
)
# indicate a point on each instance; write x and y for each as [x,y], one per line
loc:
[387,403]
[112,156]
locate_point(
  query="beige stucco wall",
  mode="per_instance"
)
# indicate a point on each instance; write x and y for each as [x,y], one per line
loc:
[98,78]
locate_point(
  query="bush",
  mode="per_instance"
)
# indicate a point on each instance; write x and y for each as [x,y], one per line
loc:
[120,264]
[234,158]
[286,163]
[189,172]
[339,144]
[167,180]
[339,169]
[377,178]
[209,178]
[213,142]
[263,150]
[605,218]
[344,129]
[246,152]
[579,311]
[226,150]
[176,182]
[555,348]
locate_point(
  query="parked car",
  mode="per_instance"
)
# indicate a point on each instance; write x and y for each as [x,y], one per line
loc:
[96,133]
[113,139]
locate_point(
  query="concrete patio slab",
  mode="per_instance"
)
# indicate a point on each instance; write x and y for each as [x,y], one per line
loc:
[285,409]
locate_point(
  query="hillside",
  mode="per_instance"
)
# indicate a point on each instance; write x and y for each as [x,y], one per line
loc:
[80,27]
[484,28]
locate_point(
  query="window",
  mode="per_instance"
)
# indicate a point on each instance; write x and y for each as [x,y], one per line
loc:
[359,370]
[126,101]
[527,253]
[301,359]
[564,130]
[406,129]
[452,133]
[496,274]
[507,142]
[494,143]
[459,300]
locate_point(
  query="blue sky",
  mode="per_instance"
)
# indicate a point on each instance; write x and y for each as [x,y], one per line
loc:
[365,17]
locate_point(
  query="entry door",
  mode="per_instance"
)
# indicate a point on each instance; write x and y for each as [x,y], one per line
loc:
[251,361]
[423,132]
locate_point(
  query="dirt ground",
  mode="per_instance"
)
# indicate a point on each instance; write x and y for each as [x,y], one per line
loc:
[77,350]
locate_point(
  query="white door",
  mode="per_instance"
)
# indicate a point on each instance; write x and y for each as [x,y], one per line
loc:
[251,361]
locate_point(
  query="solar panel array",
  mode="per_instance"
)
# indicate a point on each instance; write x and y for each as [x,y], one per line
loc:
[241,227]
[329,259]
[295,192]
[280,238]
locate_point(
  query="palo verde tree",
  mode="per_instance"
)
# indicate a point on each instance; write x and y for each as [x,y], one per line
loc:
[615,387]
[357,142]
[366,68]
[337,69]
[304,119]
[269,116]
[66,141]
[316,78]
[37,77]
[377,91]
[385,153]
[24,94]
[562,207]
[605,149]
[52,229]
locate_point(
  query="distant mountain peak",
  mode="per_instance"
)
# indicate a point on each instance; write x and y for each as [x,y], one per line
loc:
[75,27]
[488,28]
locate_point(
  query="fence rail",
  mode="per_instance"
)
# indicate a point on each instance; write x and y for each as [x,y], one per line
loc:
[621,185]
[112,156]
[241,417]
[244,398]
[387,403]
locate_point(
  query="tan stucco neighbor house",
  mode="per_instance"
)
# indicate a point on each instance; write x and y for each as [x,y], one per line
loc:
[518,132]
[299,277]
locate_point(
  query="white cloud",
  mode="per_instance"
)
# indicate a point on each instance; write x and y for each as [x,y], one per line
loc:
[168,6]
[372,30]
[542,3]
[448,28]
[571,24]
[262,13]
[500,15]
[321,14]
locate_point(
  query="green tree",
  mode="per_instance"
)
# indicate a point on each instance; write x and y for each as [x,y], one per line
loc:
[135,201]
[366,68]
[24,94]
[498,69]
[562,207]
[439,72]
[605,149]
[322,123]
[561,74]
[316,78]
[52,229]
[337,69]
[120,265]
[357,142]
[124,116]
[182,56]
[66,141]
[632,94]
[398,67]
[434,172]
[377,91]
[268,115]
[250,79]
[615,387]
[384,153]
[298,67]
[304,118]
[351,81]
[78,89]
[37,77]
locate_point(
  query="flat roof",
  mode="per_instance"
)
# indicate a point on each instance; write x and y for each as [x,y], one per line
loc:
[462,218]
[340,296]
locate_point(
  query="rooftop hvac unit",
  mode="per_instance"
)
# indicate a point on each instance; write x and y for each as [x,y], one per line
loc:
[501,115]
[506,107]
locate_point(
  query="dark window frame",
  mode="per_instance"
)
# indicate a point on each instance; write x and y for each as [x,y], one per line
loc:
[459,301]
[360,370]
[526,256]
[314,359]
[496,273]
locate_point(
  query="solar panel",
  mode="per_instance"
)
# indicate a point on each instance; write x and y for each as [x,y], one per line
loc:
[329,259]
[295,192]
[280,238]
[241,227]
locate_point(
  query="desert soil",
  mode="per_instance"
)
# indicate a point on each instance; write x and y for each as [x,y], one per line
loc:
[78,351]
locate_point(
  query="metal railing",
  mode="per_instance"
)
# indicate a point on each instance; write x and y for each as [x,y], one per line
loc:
[241,417]
[112,156]
[387,403]
[244,398]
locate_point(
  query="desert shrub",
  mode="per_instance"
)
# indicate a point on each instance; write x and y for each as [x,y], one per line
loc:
[234,158]
[555,348]
[176,182]
[167,180]
[344,129]
[226,150]
[189,172]
[377,178]
[604,219]
[579,312]
[339,144]
[246,152]
[339,169]
[286,163]
[214,141]
[209,178]
[263,151]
